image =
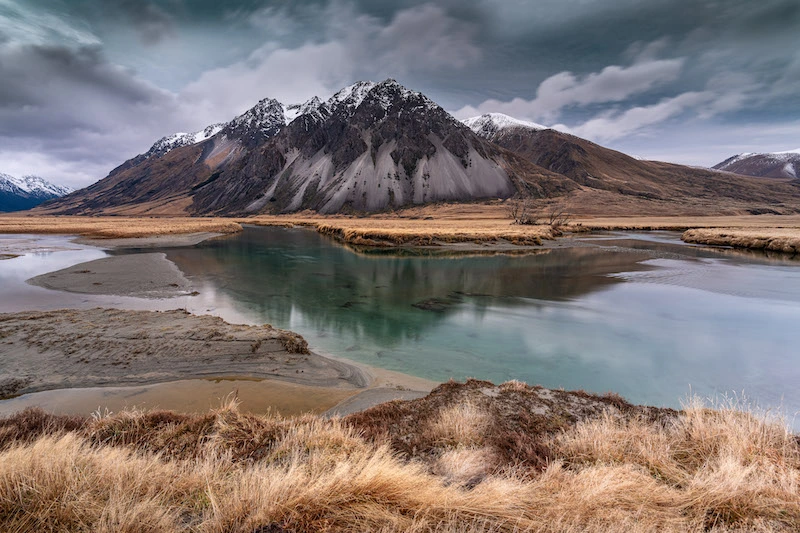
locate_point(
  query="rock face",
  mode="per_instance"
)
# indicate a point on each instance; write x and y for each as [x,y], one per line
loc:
[378,146]
[17,194]
[370,147]
[771,165]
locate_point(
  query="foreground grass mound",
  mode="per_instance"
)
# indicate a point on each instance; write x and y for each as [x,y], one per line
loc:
[469,457]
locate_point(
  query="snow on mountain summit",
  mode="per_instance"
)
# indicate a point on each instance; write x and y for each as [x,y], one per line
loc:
[772,165]
[293,111]
[32,185]
[27,192]
[490,123]
[166,144]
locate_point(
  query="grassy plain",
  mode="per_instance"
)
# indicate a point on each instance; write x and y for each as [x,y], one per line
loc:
[110,227]
[483,224]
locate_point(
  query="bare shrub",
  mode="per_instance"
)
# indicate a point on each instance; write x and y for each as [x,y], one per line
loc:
[522,211]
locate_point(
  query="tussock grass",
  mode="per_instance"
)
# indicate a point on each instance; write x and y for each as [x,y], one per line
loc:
[463,424]
[786,240]
[617,469]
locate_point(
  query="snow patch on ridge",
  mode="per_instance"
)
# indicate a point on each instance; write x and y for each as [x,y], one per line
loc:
[491,123]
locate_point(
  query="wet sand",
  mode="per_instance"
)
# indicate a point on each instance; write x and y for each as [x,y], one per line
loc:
[141,275]
[108,347]
[255,396]
[154,241]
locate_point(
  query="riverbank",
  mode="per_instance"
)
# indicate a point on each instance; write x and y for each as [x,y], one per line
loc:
[784,240]
[487,227]
[107,228]
[139,275]
[461,227]
[467,457]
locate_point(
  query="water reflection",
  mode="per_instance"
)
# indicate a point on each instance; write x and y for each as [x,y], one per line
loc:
[277,273]
[648,317]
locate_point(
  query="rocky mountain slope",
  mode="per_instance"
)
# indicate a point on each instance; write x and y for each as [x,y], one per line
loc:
[377,146]
[597,168]
[770,165]
[17,194]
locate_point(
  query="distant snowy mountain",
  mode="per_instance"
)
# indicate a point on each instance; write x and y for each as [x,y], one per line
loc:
[491,123]
[18,194]
[768,165]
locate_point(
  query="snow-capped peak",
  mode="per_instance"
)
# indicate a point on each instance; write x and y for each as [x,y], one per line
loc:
[293,111]
[166,144]
[31,185]
[490,123]
[351,96]
[790,152]
[264,116]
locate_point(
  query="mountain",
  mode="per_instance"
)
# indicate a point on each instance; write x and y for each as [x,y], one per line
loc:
[371,146]
[770,165]
[18,194]
[377,146]
[600,170]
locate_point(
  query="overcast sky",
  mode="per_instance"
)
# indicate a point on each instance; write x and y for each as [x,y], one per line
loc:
[86,84]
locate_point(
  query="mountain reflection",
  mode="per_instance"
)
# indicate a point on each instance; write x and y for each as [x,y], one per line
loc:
[273,271]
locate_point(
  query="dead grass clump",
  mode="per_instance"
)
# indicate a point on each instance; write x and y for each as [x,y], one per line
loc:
[293,343]
[725,468]
[63,484]
[33,423]
[462,424]
[466,466]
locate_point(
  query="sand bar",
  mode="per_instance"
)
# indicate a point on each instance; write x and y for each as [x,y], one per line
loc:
[149,275]
[107,347]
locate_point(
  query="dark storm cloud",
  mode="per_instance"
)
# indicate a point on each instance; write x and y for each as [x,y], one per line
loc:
[68,113]
[89,82]
[151,21]
[75,86]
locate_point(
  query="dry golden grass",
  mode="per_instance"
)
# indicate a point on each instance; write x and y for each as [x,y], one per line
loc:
[463,424]
[705,470]
[786,240]
[482,223]
[683,223]
[394,231]
[115,227]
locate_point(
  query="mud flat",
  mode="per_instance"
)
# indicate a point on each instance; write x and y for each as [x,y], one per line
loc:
[151,241]
[141,275]
[108,347]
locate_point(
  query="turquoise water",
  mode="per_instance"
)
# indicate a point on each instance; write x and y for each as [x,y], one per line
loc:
[642,315]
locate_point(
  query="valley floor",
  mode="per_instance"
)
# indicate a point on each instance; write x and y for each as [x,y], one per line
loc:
[466,457]
[483,227]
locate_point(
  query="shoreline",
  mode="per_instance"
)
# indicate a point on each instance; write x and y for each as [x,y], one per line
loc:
[468,228]
[91,355]
[73,348]
[121,275]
